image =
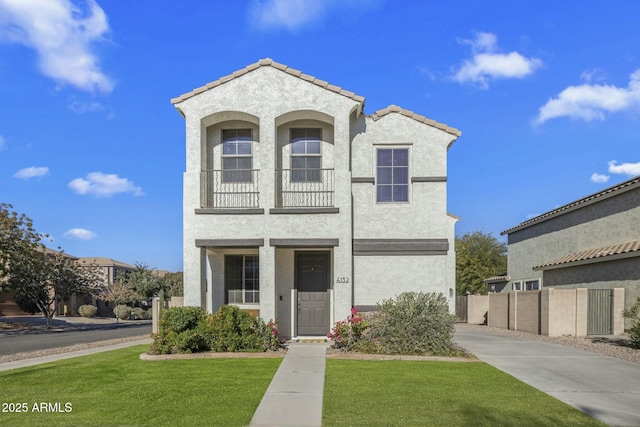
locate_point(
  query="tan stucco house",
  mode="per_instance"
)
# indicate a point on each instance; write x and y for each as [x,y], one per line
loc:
[299,206]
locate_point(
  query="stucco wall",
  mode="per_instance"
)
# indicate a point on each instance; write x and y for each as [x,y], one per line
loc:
[383,277]
[622,273]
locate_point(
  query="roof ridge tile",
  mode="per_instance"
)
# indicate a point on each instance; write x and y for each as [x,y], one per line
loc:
[377,115]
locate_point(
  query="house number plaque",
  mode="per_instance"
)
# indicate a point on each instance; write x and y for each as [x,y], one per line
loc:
[342,280]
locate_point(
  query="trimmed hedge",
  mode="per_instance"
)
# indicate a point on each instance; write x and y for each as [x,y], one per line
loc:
[87,310]
[122,311]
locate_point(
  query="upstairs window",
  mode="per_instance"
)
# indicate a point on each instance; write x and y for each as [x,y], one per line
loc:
[237,159]
[392,175]
[306,158]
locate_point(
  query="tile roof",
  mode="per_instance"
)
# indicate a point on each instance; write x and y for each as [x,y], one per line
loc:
[104,262]
[422,119]
[621,250]
[503,278]
[619,188]
[268,62]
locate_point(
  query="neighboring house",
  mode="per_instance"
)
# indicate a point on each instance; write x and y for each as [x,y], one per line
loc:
[591,243]
[299,206]
[109,270]
[497,283]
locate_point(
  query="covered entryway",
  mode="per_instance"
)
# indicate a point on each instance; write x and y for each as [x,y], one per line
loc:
[312,279]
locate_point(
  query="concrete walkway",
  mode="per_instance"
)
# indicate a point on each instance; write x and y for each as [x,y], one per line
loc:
[603,387]
[60,356]
[294,397]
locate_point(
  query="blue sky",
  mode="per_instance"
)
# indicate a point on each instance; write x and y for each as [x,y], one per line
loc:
[546,94]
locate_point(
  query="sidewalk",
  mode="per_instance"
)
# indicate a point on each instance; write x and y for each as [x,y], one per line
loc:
[60,356]
[294,397]
[603,387]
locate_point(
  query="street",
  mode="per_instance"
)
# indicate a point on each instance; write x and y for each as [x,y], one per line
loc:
[18,343]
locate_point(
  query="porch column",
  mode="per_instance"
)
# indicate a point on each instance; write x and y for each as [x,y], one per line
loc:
[194,276]
[267,256]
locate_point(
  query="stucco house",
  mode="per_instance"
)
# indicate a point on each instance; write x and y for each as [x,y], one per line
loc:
[298,206]
[593,243]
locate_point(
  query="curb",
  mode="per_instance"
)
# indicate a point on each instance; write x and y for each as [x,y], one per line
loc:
[210,355]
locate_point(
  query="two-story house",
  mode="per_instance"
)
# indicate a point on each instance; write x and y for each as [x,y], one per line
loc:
[299,206]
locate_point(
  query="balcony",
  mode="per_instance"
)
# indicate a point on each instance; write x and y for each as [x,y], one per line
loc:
[239,189]
[230,189]
[305,188]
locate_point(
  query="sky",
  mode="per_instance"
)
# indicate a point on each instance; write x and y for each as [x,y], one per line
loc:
[546,94]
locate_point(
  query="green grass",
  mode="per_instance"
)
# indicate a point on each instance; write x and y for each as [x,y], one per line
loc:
[116,388]
[404,393]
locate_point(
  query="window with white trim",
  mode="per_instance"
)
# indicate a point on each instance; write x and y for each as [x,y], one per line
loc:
[516,286]
[237,159]
[242,279]
[392,175]
[532,285]
[306,155]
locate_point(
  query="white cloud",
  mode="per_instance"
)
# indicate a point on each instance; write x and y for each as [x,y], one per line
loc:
[596,177]
[593,75]
[79,234]
[104,185]
[3,143]
[61,32]
[591,102]
[487,64]
[31,172]
[294,14]
[85,107]
[631,169]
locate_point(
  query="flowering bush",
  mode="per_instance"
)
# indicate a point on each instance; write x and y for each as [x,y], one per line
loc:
[413,323]
[346,333]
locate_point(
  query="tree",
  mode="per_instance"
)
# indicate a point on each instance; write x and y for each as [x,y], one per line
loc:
[172,284]
[145,281]
[478,256]
[37,275]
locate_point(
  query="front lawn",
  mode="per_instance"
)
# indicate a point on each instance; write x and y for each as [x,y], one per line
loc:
[415,393]
[116,388]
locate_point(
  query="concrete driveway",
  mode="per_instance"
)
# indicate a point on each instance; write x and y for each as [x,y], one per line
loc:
[604,387]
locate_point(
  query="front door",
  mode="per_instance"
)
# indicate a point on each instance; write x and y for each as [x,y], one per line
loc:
[312,282]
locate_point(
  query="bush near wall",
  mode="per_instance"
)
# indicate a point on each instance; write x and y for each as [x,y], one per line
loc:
[413,323]
[87,310]
[189,330]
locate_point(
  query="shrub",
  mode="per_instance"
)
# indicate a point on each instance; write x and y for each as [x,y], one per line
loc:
[180,319]
[412,323]
[187,330]
[346,334]
[634,330]
[232,329]
[87,310]
[140,313]
[122,311]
